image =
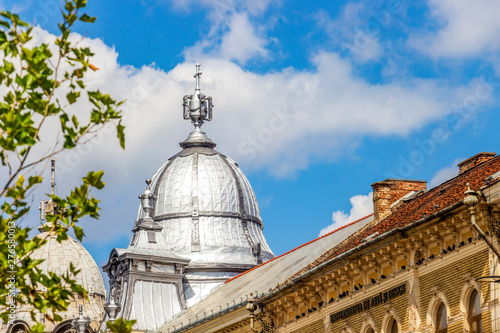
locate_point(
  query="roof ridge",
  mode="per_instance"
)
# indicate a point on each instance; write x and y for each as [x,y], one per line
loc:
[466,171]
[300,246]
[474,173]
[446,183]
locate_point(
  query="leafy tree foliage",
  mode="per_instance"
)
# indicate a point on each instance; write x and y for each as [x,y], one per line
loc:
[121,326]
[36,84]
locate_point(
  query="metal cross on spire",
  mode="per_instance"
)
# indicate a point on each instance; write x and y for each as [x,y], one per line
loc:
[49,206]
[197,107]
[197,76]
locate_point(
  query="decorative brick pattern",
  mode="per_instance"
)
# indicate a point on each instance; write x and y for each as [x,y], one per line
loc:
[450,280]
[316,327]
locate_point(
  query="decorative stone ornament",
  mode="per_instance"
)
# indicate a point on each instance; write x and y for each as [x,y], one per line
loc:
[147,200]
[147,204]
[112,309]
[80,324]
[471,198]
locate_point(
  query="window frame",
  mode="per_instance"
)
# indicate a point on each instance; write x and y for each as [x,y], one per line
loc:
[438,317]
[477,318]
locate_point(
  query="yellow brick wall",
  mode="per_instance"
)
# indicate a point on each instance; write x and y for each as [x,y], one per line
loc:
[450,280]
[316,327]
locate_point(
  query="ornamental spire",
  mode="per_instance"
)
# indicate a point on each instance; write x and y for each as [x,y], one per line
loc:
[147,200]
[197,107]
[147,205]
[49,206]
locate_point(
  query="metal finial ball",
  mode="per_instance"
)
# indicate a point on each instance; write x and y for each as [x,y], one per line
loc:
[148,181]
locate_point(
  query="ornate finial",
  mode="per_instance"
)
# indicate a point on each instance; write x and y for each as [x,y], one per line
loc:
[80,324]
[147,200]
[197,107]
[471,198]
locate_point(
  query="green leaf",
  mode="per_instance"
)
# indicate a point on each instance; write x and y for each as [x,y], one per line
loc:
[120,134]
[94,179]
[37,328]
[69,6]
[86,18]
[73,96]
[5,24]
[80,3]
[78,233]
[74,120]
[121,325]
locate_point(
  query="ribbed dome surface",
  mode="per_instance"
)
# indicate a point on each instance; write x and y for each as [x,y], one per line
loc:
[58,256]
[201,182]
[217,186]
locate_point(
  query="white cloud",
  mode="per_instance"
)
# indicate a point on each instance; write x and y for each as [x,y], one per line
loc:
[445,174]
[351,33]
[468,29]
[362,205]
[241,42]
[232,34]
[278,121]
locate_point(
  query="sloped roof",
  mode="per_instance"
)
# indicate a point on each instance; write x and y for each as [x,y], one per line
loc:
[431,202]
[265,276]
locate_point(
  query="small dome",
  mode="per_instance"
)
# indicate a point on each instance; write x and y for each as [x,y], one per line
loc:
[57,257]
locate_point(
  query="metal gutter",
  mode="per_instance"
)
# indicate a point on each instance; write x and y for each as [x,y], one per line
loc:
[197,322]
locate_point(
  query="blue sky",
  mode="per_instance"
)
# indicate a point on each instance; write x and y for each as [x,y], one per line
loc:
[314,100]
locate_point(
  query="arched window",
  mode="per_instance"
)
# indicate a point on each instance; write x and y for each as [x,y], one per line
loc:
[18,327]
[370,330]
[441,319]
[475,322]
[393,326]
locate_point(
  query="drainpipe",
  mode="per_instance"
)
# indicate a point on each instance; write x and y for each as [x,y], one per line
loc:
[471,199]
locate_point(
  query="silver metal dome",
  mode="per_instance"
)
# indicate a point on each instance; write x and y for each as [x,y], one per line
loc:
[207,208]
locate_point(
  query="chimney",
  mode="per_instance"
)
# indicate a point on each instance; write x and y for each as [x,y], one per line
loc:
[388,191]
[473,161]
